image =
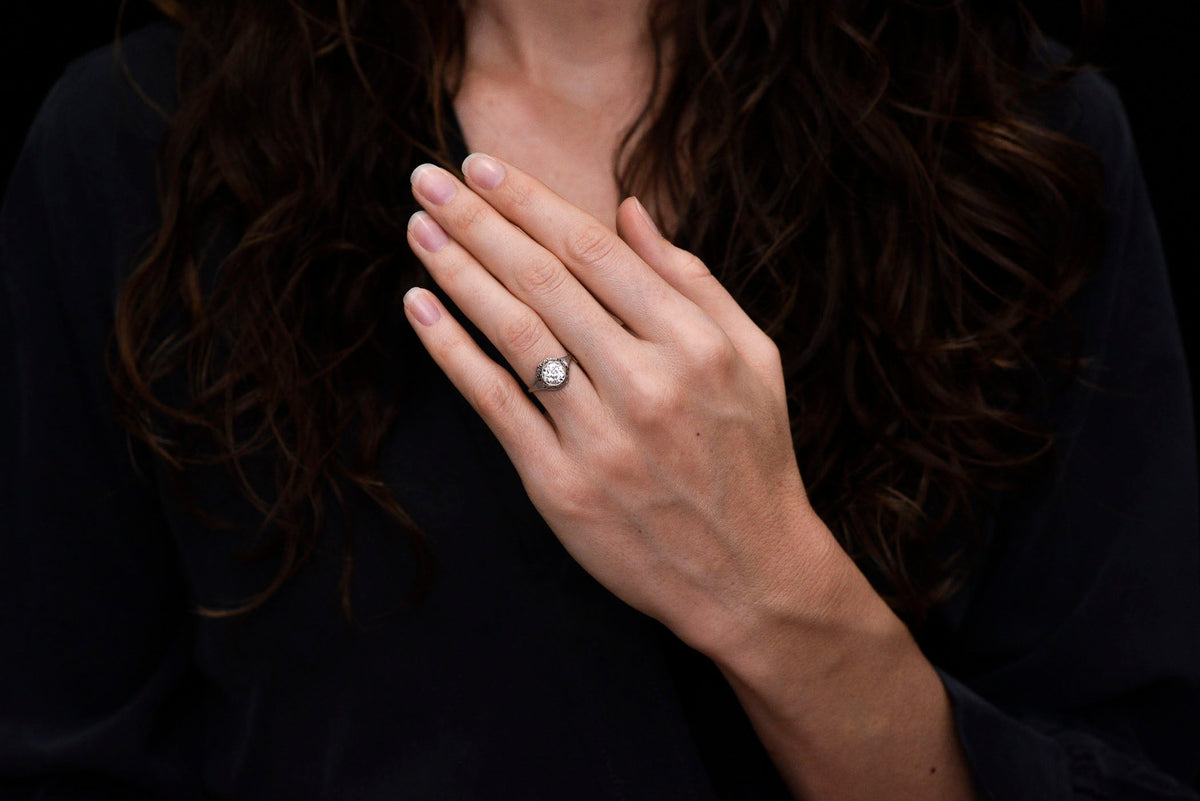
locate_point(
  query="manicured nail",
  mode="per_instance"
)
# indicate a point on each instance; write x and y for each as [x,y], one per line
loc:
[427,232]
[484,171]
[421,306]
[646,216]
[433,183]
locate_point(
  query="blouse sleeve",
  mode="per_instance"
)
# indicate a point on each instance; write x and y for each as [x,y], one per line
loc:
[1074,660]
[93,617]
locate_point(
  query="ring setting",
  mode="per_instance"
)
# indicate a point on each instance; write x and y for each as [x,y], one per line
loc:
[551,374]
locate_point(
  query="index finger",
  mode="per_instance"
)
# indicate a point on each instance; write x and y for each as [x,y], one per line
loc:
[595,254]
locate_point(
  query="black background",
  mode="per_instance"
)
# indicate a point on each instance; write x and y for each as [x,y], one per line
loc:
[1149,52]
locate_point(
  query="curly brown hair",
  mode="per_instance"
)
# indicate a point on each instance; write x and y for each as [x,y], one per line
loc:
[872,179]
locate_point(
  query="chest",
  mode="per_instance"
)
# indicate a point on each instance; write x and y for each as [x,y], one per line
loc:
[571,148]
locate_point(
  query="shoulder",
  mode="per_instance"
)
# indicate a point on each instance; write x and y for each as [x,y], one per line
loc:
[81,199]
[1088,108]
[101,123]
[125,88]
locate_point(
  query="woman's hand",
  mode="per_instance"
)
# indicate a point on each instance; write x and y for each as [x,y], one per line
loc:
[665,463]
[665,466]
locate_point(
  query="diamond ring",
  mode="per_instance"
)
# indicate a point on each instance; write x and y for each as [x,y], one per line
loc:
[551,374]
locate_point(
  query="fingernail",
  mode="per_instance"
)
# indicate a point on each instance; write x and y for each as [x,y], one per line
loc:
[484,171]
[427,232]
[421,306]
[646,216]
[433,183]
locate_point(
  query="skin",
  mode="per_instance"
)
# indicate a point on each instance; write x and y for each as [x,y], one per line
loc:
[665,465]
[552,88]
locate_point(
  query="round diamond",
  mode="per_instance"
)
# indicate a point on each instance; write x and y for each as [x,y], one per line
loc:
[553,372]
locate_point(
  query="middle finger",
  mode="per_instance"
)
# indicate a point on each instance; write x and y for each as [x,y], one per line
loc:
[529,271]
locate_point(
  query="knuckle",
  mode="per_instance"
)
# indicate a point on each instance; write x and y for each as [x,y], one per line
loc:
[693,269]
[542,276]
[763,355]
[769,353]
[470,215]
[522,334]
[492,397]
[620,464]
[577,499]
[652,401]
[569,493]
[590,245]
[520,193]
[711,354]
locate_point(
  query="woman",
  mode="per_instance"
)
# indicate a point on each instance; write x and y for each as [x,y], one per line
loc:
[879,511]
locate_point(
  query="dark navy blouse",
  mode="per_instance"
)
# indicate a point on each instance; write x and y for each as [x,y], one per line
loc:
[1072,657]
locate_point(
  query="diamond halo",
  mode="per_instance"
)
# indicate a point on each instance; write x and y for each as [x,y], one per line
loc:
[551,373]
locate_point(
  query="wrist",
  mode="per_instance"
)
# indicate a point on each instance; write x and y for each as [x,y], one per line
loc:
[824,619]
[839,692]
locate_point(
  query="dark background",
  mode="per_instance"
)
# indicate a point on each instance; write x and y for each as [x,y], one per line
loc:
[1148,50]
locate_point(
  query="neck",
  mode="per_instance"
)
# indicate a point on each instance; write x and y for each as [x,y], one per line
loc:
[570,46]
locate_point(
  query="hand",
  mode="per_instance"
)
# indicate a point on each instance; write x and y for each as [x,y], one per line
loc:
[665,464]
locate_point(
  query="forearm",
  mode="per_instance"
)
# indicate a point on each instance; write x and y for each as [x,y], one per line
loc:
[844,700]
